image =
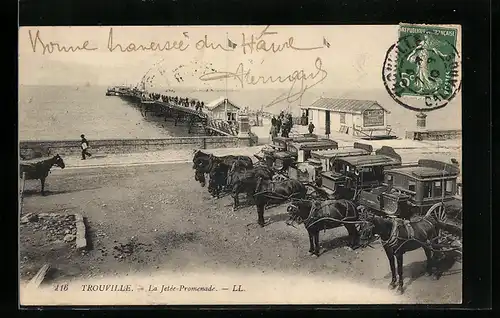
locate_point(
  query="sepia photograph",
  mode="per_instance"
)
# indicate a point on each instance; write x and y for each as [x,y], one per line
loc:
[239,165]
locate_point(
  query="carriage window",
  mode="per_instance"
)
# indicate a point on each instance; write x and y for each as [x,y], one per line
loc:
[438,188]
[449,187]
[365,169]
[412,185]
[427,189]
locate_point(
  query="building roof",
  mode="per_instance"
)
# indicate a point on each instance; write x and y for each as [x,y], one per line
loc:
[344,105]
[219,101]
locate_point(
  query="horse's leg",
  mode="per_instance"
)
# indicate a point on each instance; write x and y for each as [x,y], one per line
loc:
[353,235]
[430,264]
[316,242]
[311,242]
[42,180]
[399,258]
[390,257]
[260,212]
[235,193]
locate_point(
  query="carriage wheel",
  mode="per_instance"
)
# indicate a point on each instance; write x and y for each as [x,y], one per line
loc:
[439,209]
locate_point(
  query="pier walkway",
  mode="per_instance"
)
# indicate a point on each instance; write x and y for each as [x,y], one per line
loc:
[211,126]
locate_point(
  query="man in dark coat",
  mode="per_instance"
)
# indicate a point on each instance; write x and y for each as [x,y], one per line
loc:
[311,127]
[278,125]
[84,144]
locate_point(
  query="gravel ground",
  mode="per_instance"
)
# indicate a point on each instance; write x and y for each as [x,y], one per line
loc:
[146,218]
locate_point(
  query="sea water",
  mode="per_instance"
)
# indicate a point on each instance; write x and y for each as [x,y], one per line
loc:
[66,112]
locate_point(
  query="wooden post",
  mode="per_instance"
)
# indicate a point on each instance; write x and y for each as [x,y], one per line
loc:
[21,192]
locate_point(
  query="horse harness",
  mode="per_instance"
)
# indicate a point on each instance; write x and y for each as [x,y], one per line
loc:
[309,222]
[394,237]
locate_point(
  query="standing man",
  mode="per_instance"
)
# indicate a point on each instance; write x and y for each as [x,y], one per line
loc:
[85,145]
[311,127]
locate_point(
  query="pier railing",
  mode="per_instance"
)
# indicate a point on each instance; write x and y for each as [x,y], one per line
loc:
[222,127]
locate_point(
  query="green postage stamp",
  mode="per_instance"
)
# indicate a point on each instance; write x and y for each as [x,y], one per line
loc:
[422,70]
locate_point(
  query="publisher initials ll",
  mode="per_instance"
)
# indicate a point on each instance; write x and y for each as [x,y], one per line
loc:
[237,288]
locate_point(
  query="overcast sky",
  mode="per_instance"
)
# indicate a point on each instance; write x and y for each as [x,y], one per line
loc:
[353,60]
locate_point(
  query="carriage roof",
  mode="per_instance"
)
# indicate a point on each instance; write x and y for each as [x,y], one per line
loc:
[315,145]
[335,153]
[284,154]
[426,169]
[370,161]
[299,138]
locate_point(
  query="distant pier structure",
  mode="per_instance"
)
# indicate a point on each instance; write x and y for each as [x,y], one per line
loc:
[220,117]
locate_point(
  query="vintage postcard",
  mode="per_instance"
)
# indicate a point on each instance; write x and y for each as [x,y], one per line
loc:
[199,165]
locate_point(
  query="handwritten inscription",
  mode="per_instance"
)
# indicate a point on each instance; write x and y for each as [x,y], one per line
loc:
[51,47]
[152,46]
[245,77]
[259,44]
[249,45]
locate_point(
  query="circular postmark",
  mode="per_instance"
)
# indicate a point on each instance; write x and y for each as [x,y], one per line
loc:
[422,71]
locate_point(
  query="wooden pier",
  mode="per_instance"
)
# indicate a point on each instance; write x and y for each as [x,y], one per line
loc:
[182,113]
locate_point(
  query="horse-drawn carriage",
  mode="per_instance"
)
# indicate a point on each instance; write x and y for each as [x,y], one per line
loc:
[297,162]
[279,146]
[417,190]
[348,173]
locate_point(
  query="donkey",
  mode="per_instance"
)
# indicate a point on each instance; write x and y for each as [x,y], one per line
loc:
[40,170]
[323,215]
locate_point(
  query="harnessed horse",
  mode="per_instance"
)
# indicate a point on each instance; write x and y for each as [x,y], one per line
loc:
[203,163]
[242,180]
[323,215]
[267,191]
[399,236]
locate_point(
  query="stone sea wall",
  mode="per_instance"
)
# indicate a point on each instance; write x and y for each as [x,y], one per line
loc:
[434,134]
[34,149]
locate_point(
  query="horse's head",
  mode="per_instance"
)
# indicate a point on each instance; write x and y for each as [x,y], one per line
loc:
[197,154]
[213,180]
[58,161]
[199,176]
[380,225]
[299,210]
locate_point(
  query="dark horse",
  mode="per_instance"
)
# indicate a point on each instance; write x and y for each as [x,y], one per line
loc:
[275,192]
[40,170]
[399,236]
[218,178]
[323,215]
[203,163]
[242,180]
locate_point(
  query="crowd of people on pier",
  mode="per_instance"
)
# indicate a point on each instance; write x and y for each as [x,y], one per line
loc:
[283,124]
[178,101]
